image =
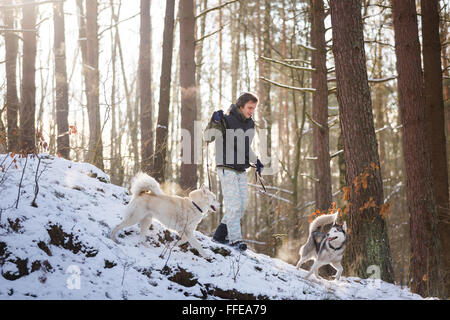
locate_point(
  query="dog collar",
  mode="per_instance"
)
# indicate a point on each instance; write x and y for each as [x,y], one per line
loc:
[336,249]
[197,206]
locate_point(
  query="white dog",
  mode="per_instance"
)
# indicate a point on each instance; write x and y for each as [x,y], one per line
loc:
[174,212]
[324,248]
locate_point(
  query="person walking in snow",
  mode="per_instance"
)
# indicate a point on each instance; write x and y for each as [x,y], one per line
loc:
[233,133]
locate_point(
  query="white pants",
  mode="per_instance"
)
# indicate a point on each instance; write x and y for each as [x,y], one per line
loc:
[234,190]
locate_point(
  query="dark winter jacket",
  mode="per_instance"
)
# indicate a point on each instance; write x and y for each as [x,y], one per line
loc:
[233,136]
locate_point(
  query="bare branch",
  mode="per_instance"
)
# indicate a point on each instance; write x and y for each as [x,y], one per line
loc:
[271,188]
[398,187]
[288,65]
[21,179]
[371,80]
[215,8]
[20,5]
[336,154]
[314,122]
[297,60]
[288,87]
[117,23]
[211,34]
[17,30]
[309,177]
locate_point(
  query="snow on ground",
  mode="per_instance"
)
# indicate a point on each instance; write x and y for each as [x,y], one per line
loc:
[61,250]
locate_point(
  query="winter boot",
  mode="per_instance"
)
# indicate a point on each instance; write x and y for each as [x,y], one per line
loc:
[240,245]
[221,234]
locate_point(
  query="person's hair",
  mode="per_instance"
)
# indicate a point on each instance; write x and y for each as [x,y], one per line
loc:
[246,97]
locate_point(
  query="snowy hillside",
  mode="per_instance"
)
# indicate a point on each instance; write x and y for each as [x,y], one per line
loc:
[59,249]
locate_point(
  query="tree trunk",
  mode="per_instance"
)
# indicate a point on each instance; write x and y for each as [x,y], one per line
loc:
[92,86]
[425,263]
[368,242]
[321,150]
[28,105]
[164,94]
[145,80]
[188,171]
[265,103]
[435,120]
[320,108]
[220,56]
[283,125]
[12,100]
[117,168]
[62,95]
[198,78]
[132,109]
[379,106]
[83,48]
[235,37]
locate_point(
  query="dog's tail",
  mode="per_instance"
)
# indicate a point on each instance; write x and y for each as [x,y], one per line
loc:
[143,182]
[321,221]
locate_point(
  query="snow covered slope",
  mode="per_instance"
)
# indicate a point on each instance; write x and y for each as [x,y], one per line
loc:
[59,248]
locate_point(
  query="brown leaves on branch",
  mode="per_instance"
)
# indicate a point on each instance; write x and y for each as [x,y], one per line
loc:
[361,183]
[331,210]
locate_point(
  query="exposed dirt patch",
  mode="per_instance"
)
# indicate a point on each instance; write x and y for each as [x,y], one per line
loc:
[14,224]
[59,195]
[145,271]
[109,264]
[4,253]
[184,278]
[22,269]
[166,270]
[3,250]
[21,264]
[222,251]
[167,237]
[69,241]
[94,175]
[43,246]
[195,252]
[210,290]
[41,265]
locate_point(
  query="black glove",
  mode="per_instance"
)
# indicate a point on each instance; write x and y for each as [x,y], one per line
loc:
[217,116]
[259,166]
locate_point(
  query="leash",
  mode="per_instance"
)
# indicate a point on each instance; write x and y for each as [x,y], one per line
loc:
[207,166]
[253,241]
[260,179]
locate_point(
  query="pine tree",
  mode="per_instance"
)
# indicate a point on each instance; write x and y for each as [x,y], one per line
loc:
[12,100]
[368,241]
[91,73]
[435,121]
[188,171]
[145,80]
[27,142]
[425,262]
[164,94]
[62,95]
[320,108]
